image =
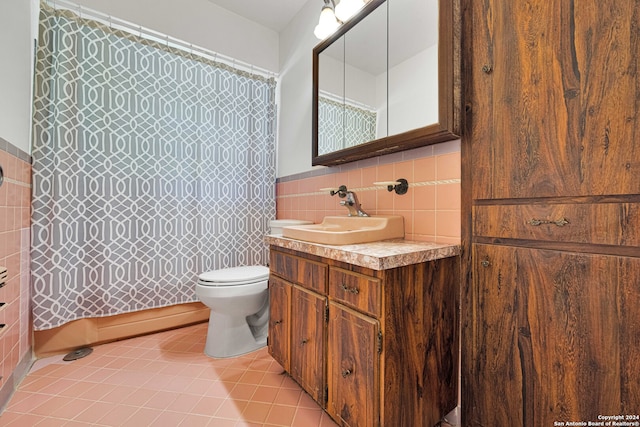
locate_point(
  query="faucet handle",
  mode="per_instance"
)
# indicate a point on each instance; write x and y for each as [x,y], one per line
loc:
[341,192]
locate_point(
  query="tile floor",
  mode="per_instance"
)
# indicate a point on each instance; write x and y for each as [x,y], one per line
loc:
[161,380]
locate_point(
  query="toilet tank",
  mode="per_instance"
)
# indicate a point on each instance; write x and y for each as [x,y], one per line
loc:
[276,225]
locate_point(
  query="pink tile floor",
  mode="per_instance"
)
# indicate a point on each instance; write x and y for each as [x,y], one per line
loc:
[161,380]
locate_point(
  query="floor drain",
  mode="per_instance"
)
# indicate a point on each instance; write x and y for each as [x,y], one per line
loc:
[78,354]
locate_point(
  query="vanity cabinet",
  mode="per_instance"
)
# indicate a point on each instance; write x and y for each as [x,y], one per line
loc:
[372,347]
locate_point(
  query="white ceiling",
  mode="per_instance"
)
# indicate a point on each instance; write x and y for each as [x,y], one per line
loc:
[273,14]
[419,28]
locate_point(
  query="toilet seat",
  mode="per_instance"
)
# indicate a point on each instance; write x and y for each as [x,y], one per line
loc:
[234,276]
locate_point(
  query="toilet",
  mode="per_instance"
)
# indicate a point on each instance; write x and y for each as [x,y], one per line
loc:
[276,225]
[239,303]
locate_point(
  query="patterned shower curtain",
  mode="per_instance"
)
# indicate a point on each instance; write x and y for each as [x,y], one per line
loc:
[151,165]
[343,125]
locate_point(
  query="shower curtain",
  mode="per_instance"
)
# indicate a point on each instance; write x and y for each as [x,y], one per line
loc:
[343,125]
[150,166]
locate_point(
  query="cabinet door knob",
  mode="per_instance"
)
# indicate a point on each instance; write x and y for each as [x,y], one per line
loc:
[277,322]
[346,373]
[304,341]
[485,263]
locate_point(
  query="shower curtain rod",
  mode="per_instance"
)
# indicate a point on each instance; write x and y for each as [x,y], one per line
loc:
[340,99]
[157,37]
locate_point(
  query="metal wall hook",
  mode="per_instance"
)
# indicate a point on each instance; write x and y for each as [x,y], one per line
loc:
[401,185]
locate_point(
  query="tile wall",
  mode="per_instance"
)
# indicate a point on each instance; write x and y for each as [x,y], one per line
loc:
[431,207]
[15,294]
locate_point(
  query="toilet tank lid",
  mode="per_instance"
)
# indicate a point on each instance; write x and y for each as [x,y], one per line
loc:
[247,273]
[285,222]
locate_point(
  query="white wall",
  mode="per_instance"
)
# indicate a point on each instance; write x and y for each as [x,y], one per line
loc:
[347,81]
[17,34]
[294,124]
[413,102]
[201,23]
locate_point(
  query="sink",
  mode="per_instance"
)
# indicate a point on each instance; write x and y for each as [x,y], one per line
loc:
[348,230]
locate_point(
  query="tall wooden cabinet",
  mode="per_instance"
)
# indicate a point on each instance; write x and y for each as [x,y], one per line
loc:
[551,326]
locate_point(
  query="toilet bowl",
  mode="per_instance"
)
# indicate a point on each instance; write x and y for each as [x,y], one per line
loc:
[239,303]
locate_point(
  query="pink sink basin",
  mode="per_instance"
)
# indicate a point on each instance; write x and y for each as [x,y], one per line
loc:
[348,230]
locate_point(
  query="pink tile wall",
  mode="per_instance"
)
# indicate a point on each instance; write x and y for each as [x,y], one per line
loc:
[15,210]
[431,207]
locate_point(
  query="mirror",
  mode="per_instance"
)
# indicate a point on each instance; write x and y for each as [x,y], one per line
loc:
[387,81]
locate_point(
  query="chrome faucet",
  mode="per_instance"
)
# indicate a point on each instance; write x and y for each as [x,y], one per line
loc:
[351,202]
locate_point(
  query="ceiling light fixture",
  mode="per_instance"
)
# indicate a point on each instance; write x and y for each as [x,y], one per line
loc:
[347,8]
[328,23]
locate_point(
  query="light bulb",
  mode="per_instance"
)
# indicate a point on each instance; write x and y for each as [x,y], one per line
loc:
[347,8]
[327,24]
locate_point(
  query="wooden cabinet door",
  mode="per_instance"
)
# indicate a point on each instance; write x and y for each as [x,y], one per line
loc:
[308,341]
[554,337]
[279,291]
[554,98]
[353,367]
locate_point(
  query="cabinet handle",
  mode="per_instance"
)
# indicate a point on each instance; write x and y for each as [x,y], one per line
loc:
[346,373]
[354,291]
[536,222]
[485,263]
[304,341]
[277,322]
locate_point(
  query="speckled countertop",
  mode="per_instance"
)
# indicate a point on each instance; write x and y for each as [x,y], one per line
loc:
[380,255]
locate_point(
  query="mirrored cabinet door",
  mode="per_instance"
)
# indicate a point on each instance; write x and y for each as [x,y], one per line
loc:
[331,98]
[366,79]
[387,81]
[413,64]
